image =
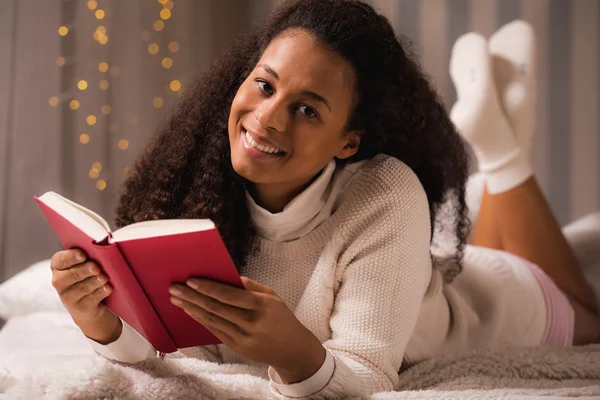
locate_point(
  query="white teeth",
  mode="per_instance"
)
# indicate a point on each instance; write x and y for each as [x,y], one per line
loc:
[263,148]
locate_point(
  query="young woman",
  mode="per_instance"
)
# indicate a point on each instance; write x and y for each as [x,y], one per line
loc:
[321,152]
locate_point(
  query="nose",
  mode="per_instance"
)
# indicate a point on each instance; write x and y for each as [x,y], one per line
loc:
[271,114]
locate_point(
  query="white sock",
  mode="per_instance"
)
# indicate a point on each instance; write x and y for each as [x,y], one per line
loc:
[513,52]
[478,116]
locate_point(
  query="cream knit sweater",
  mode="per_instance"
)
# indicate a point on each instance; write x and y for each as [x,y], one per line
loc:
[362,281]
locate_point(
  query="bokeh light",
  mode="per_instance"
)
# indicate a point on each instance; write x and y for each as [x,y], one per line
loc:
[175,85]
[167,62]
[153,48]
[158,102]
[173,46]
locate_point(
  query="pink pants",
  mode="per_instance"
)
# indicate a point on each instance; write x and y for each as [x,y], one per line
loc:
[560,316]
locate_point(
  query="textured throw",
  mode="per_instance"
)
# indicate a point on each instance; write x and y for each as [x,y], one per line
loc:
[530,372]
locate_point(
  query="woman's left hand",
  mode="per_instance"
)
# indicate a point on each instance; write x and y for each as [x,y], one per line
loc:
[255,323]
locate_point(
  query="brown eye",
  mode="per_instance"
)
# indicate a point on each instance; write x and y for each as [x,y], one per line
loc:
[265,86]
[308,111]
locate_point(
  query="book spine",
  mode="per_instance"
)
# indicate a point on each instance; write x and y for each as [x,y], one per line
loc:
[129,301]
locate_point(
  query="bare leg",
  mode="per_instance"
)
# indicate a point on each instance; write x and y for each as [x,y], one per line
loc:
[513,208]
[486,232]
[528,229]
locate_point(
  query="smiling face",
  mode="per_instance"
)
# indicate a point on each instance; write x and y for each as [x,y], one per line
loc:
[287,119]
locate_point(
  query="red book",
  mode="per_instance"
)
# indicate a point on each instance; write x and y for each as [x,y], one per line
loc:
[141,261]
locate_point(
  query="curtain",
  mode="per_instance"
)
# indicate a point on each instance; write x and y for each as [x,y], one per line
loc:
[85,84]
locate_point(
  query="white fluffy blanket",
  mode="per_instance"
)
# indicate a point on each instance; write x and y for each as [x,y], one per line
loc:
[57,364]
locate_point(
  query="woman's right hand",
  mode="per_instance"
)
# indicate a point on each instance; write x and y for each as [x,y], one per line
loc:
[81,286]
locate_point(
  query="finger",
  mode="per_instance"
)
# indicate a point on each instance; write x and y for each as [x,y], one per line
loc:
[64,279]
[222,336]
[255,286]
[76,292]
[227,294]
[67,258]
[231,313]
[91,300]
[212,321]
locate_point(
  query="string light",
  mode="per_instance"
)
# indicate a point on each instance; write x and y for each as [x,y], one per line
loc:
[175,85]
[165,13]
[167,62]
[152,48]
[123,144]
[158,102]
[158,25]
[173,47]
[100,35]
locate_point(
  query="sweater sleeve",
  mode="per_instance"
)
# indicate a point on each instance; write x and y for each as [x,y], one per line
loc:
[383,274]
[131,347]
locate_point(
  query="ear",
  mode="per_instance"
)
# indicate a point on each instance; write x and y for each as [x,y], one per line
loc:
[351,144]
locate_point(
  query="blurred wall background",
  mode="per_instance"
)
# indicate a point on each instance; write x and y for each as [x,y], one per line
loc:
[84,84]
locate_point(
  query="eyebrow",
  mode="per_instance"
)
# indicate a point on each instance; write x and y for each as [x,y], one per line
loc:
[307,93]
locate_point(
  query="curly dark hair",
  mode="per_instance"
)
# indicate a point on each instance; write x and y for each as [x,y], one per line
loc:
[186,170]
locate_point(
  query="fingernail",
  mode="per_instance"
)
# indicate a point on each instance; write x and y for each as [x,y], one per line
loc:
[193,283]
[175,290]
[80,256]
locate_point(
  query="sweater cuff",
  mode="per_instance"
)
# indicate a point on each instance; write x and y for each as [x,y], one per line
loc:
[308,386]
[130,347]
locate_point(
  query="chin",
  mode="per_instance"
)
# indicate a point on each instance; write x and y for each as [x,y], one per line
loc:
[245,168]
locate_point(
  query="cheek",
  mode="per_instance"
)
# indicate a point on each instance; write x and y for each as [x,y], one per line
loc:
[316,142]
[239,106]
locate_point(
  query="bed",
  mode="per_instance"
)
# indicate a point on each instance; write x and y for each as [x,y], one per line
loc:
[44,356]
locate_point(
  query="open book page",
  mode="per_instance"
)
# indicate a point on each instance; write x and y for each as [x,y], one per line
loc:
[98,229]
[161,227]
[88,221]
